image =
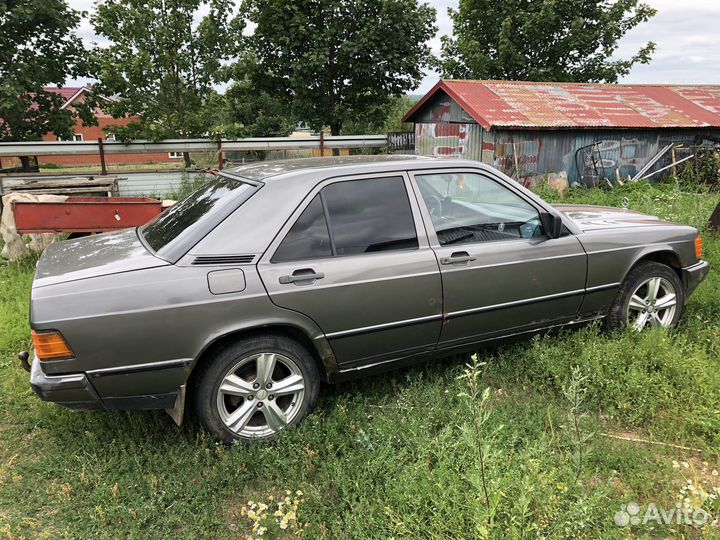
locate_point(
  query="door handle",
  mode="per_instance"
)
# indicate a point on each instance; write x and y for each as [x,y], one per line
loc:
[459,257]
[299,276]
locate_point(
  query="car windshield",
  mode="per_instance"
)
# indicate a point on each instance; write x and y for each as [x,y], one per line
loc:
[182,218]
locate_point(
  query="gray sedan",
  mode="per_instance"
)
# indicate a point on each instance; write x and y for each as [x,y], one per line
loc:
[275,277]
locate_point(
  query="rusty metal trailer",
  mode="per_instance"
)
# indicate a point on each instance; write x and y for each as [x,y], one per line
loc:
[84,215]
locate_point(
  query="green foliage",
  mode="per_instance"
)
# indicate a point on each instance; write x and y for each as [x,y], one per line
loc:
[673,201]
[544,40]
[188,184]
[703,169]
[335,60]
[38,47]
[478,440]
[163,60]
[575,392]
[390,122]
[396,455]
[252,111]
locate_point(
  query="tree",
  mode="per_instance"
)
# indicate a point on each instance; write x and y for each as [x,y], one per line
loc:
[390,122]
[335,60]
[38,47]
[252,111]
[163,62]
[542,40]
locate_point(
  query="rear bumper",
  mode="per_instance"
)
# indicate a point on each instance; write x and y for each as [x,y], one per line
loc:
[693,276]
[72,391]
[75,391]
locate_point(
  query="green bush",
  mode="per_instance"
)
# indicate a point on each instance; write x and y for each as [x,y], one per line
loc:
[703,169]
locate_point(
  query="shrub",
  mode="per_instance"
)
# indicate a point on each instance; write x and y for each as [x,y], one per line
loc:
[704,169]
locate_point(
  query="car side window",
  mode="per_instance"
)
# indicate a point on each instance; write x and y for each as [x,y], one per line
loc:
[370,215]
[308,238]
[469,208]
[352,217]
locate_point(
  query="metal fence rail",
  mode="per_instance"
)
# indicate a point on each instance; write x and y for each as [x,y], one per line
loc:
[56,148]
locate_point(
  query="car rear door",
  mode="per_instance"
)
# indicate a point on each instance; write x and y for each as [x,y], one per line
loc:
[356,259]
[501,273]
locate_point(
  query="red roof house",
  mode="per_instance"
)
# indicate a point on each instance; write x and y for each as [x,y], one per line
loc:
[74,94]
[530,129]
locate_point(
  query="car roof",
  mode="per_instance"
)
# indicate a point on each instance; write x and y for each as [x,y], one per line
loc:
[339,164]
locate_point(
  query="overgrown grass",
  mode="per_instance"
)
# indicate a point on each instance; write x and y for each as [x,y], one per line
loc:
[398,455]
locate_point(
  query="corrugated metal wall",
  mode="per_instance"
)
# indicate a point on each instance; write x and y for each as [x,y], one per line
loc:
[159,184]
[528,155]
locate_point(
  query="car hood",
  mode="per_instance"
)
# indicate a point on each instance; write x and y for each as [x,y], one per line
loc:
[590,218]
[93,256]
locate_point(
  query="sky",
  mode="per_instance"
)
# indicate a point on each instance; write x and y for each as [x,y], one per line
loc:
[687,34]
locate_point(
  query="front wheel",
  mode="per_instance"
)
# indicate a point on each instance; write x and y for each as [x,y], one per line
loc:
[651,296]
[256,387]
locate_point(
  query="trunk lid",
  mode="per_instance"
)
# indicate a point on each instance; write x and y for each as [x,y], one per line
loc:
[93,256]
[591,218]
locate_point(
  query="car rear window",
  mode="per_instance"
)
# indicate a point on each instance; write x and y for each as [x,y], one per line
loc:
[210,203]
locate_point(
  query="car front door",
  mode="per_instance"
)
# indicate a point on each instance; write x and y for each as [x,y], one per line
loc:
[501,273]
[356,259]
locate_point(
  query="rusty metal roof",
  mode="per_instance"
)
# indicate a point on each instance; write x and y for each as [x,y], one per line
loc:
[556,105]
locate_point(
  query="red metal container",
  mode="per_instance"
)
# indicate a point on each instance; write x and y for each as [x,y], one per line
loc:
[84,214]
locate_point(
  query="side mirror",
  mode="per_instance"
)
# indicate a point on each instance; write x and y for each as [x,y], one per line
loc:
[552,224]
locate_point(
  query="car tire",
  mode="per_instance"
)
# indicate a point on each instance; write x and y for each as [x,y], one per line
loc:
[255,387]
[656,309]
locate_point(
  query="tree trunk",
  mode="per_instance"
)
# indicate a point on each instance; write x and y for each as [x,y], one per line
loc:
[25,162]
[335,128]
[186,158]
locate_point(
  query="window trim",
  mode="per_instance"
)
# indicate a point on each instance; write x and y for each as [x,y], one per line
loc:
[328,223]
[432,234]
[415,212]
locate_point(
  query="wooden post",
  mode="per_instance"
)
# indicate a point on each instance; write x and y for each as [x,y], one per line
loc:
[674,168]
[101,149]
[515,158]
[322,143]
[220,153]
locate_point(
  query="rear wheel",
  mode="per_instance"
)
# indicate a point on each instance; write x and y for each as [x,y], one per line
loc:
[255,388]
[650,296]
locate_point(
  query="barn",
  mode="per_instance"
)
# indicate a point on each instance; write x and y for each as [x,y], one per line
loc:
[587,131]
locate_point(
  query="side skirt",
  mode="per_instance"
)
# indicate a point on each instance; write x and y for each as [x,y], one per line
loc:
[403,361]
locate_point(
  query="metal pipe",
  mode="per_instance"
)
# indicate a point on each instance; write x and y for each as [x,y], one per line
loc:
[652,162]
[673,164]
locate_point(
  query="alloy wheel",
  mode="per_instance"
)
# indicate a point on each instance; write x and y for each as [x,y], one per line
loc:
[260,395]
[653,303]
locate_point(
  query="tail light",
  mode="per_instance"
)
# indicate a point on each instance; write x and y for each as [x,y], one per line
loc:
[51,345]
[698,247]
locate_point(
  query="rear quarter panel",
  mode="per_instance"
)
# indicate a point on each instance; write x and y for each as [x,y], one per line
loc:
[165,314]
